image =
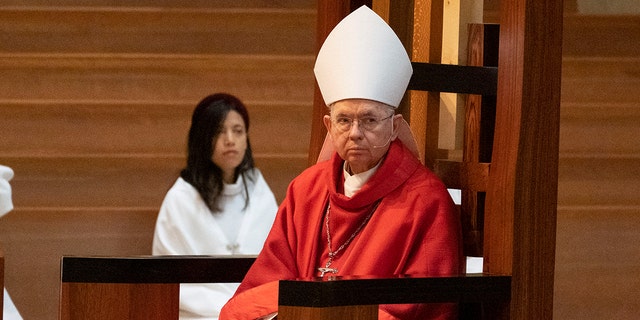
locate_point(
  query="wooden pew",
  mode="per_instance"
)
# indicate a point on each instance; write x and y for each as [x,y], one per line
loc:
[144,287]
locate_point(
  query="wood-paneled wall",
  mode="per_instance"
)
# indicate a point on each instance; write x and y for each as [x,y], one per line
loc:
[597,256]
[95,105]
[95,101]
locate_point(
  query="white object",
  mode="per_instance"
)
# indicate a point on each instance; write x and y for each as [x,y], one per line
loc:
[363,58]
[6,204]
[10,312]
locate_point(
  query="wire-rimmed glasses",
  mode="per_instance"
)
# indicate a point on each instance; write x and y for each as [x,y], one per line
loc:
[344,124]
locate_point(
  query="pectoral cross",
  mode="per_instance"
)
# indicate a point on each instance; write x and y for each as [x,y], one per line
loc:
[326,270]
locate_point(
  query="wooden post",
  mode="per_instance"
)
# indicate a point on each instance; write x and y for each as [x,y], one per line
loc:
[520,221]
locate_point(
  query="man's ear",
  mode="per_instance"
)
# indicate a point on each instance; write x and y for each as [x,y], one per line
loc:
[397,121]
[327,122]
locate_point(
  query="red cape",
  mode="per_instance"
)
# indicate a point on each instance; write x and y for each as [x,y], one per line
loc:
[414,231]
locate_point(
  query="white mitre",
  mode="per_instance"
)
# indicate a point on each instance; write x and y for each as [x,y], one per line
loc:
[363,58]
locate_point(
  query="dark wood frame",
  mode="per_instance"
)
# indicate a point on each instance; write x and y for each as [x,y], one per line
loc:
[136,288]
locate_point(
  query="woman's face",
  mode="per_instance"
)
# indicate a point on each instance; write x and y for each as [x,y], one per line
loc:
[230,145]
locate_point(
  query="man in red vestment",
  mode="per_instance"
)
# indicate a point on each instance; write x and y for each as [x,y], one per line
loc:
[371,209]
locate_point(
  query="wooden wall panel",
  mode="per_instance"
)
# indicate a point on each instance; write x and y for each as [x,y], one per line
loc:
[178,31]
[587,131]
[601,35]
[35,239]
[145,77]
[91,128]
[95,105]
[68,182]
[597,263]
[599,210]
[292,4]
[601,79]
[604,181]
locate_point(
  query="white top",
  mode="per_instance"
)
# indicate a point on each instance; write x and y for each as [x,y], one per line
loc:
[6,204]
[186,226]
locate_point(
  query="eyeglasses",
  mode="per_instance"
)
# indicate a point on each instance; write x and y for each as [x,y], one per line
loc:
[344,124]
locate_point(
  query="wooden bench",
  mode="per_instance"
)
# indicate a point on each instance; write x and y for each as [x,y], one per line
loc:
[144,287]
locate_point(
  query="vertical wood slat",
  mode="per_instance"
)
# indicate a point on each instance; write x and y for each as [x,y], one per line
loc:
[471,215]
[478,134]
[520,225]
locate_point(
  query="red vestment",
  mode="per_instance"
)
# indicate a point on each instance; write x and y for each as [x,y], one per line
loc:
[415,230]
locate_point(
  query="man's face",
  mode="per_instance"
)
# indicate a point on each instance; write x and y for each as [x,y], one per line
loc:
[362,131]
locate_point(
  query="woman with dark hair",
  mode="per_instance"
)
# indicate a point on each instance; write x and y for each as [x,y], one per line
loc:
[220,204]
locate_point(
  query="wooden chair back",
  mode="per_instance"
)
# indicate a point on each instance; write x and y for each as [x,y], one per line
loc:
[468,171]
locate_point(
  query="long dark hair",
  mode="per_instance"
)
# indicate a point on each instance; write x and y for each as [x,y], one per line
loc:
[206,122]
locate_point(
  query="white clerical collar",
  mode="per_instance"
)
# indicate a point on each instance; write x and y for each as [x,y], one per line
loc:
[353,183]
